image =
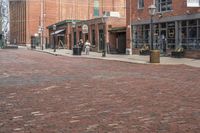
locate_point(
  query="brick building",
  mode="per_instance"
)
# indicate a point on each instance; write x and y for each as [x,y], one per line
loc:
[26,17]
[103,32]
[68,36]
[174,23]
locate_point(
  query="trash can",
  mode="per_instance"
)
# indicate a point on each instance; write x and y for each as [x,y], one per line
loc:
[76,51]
[155,56]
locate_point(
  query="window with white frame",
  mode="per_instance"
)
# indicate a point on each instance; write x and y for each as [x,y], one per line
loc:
[140,4]
[164,5]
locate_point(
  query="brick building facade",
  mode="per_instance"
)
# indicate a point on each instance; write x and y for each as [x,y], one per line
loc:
[25,16]
[103,33]
[174,24]
[69,36]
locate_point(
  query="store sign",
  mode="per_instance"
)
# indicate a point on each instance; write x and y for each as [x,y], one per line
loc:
[84,29]
[193,3]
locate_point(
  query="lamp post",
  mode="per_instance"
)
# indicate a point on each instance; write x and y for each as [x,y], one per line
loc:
[152,10]
[54,38]
[154,54]
[104,36]
[73,27]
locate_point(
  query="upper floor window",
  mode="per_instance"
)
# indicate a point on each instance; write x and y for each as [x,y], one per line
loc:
[140,4]
[164,5]
[96,8]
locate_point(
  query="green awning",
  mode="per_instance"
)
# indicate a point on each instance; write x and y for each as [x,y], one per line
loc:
[117,29]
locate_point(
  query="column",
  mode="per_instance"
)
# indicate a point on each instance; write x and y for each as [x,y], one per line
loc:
[177,41]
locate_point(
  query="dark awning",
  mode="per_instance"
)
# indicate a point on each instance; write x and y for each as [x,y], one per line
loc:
[117,29]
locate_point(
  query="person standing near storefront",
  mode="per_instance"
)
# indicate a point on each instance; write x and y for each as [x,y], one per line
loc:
[81,44]
[87,47]
[164,44]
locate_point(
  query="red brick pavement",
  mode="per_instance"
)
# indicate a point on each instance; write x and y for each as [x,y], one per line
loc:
[41,93]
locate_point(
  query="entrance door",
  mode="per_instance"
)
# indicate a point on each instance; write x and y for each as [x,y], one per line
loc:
[163,35]
[74,38]
[86,37]
[101,40]
[122,43]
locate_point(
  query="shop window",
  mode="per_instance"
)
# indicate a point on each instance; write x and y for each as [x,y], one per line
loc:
[184,23]
[199,33]
[192,32]
[192,23]
[163,25]
[184,35]
[140,4]
[164,5]
[171,24]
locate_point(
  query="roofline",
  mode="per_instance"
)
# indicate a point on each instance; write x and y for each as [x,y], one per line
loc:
[62,23]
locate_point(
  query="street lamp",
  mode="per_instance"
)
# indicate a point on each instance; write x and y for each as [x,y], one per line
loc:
[154,54]
[73,27]
[104,35]
[54,38]
[152,10]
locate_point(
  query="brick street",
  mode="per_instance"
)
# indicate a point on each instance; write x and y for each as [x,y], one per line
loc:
[42,93]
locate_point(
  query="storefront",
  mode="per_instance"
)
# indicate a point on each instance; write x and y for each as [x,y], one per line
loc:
[169,34]
[100,33]
[118,40]
[62,36]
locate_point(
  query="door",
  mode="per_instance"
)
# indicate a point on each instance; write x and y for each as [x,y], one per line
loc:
[74,38]
[122,43]
[101,40]
[163,35]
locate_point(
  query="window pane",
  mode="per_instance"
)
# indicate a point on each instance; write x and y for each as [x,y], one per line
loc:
[96,7]
[163,25]
[184,35]
[140,3]
[171,24]
[184,23]
[199,33]
[164,5]
[192,22]
[192,32]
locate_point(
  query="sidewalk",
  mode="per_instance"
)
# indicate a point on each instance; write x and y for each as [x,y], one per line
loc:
[126,58]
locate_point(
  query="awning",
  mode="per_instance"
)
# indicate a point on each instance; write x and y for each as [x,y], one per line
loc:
[117,29]
[58,31]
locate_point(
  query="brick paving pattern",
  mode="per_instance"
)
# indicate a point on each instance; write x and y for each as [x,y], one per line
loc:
[42,93]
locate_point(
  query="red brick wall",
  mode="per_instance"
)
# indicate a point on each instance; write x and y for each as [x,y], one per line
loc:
[17,22]
[57,10]
[32,19]
[179,8]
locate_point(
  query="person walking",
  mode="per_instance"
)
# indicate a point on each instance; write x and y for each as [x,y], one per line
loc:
[87,47]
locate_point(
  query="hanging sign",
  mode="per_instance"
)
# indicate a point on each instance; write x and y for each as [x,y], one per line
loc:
[84,29]
[193,3]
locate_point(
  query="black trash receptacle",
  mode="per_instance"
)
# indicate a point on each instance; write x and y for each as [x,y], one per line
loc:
[76,51]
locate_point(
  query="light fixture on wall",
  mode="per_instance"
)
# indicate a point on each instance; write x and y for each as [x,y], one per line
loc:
[188,12]
[138,18]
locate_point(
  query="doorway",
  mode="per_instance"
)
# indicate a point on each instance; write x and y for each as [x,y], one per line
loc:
[101,40]
[163,36]
[121,43]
